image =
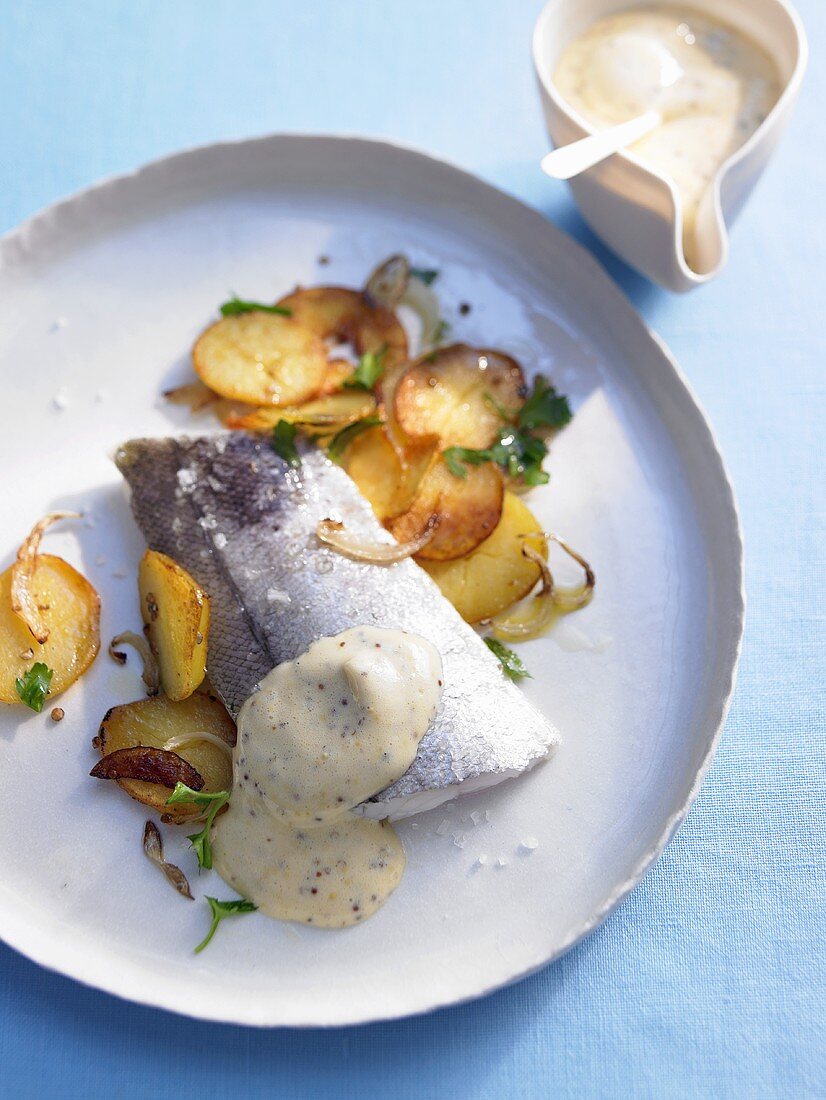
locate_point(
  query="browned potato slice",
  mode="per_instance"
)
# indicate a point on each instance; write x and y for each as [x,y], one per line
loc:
[70,607]
[155,722]
[338,371]
[322,414]
[176,612]
[450,393]
[372,462]
[260,358]
[348,316]
[496,574]
[467,509]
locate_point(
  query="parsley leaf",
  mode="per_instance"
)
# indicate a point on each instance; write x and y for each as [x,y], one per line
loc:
[237,305]
[441,331]
[512,665]
[455,457]
[215,800]
[426,275]
[342,440]
[369,370]
[220,910]
[544,407]
[283,443]
[520,455]
[33,687]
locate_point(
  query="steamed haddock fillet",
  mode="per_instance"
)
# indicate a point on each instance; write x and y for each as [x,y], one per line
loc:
[243,523]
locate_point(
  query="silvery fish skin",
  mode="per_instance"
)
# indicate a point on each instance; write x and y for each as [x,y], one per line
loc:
[243,523]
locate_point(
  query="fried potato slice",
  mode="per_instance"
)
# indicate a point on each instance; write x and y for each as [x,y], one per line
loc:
[320,416]
[496,574]
[162,723]
[175,610]
[70,609]
[373,463]
[452,393]
[467,510]
[349,317]
[260,358]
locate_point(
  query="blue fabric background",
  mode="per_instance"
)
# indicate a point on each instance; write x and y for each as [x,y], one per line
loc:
[709,981]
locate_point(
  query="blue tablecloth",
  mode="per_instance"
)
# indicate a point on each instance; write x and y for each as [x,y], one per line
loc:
[709,980]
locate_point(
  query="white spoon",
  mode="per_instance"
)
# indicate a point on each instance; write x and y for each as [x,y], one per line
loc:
[570,160]
[631,72]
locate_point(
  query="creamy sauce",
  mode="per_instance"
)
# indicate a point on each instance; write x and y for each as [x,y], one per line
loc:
[712,85]
[322,734]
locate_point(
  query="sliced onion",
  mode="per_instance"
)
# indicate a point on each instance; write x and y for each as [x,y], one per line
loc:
[334,534]
[533,619]
[423,301]
[153,848]
[388,283]
[151,674]
[22,576]
[175,743]
[195,395]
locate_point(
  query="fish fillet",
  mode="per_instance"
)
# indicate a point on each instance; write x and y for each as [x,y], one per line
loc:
[243,524]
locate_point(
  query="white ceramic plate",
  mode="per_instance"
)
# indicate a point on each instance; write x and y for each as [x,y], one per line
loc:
[100,299]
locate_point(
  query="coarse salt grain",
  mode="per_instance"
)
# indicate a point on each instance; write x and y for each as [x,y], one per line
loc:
[220,540]
[61,399]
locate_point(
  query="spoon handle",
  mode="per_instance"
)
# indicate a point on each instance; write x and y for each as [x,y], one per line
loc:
[570,160]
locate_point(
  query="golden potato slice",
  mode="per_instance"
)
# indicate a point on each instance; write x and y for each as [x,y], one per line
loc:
[496,574]
[260,358]
[70,608]
[338,371]
[372,462]
[468,509]
[161,723]
[176,612]
[453,393]
[348,316]
[322,415]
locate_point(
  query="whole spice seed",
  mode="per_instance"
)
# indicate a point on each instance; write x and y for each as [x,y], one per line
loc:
[57,714]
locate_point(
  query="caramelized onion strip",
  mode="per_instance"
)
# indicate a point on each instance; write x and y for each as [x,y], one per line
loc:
[335,535]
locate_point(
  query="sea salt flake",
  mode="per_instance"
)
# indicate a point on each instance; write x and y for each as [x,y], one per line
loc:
[480,861]
[208,522]
[100,560]
[119,573]
[443,827]
[186,479]
[58,323]
[476,817]
[458,840]
[529,844]
[502,861]
[219,540]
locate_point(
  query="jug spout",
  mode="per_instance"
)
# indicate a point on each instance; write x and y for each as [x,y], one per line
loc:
[704,243]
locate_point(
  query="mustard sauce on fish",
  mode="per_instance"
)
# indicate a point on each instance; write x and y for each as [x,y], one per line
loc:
[322,734]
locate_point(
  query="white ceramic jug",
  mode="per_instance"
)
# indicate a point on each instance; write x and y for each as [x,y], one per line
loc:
[635,209]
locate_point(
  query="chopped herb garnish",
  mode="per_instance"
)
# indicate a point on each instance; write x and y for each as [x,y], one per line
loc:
[238,305]
[426,275]
[369,370]
[544,407]
[283,443]
[220,909]
[455,457]
[441,331]
[33,686]
[342,440]
[517,450]
[512,665]
[215,800]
